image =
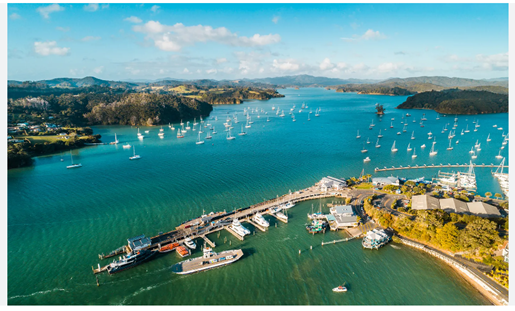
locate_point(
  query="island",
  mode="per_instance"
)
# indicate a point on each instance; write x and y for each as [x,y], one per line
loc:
[455,101]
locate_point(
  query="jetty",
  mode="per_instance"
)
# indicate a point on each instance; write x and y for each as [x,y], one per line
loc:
[400,167]
[204,225]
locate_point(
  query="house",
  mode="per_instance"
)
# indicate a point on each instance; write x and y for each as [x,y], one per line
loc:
[383,181]
[343,216]
[328,183]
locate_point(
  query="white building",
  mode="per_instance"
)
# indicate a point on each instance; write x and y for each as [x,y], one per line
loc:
[383,181]
[343,216]
[331,183]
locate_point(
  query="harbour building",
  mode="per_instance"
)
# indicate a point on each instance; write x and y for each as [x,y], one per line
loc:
[331,183]
[384,181]
[451,205]
[342,216]
[375,239]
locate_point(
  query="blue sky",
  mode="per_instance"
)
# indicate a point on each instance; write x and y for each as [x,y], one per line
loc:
[234,41]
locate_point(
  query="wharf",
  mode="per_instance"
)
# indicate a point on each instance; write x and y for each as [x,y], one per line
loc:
[400,167]
[239,237]
[249,220]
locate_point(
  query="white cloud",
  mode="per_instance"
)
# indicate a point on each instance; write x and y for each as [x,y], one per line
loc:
[14,16]
[286,65]
[250,62]
[92,7]
[326,64]
[174,38]
[388,67]
[493,62]
[49,48]
[155,8]
[275,19]
[98,70]
[45,11]
[368,35]
[210,71]
[221,60]
[186,70]
[90,38]
[63,29]
[133,19]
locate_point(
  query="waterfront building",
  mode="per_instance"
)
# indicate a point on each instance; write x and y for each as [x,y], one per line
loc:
[331,183]
[342,216]
[375,239]
[383,181]
[424,202]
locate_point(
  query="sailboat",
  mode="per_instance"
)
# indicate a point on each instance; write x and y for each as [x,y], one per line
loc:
[115,140]
[474,156]
[450,147]
[477,143]
[433,152]
[358,136]
[179,134]
[214,130]
[413,135]
[377,144]
[391,125]
[467,129]
[308,117]
[488,138]
[364,150]
[317,112]
[229,136]
[368,141]
[135,156]
[268,119]
[409,147]
[200,131]
[393,147]
[195,121]
[188,125]
[208,136]
[247,125]
[372,124]
[199,142]
[77,165]
[437,116]
[379,136]
[499,156]
[479,147]
[413,156]
[293,117]
[242,132]
[139,134]
[404,129]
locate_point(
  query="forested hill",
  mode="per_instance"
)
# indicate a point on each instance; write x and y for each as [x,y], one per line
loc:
[458,102]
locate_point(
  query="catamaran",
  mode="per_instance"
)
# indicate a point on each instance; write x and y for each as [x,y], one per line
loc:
[135,156]
[393,147]
[77,165]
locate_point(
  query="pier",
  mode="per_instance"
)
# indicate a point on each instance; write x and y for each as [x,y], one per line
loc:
[202,226]
[393,168]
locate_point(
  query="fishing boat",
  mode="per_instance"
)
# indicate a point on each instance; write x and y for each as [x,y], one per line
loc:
[199,142]
[169,247]
[190,243]
[340,289]
[367,159]
[379,136]
[183,251]
[260,220]
[450,147]
[358,136]
[134,156]
[128,146]
[377,144]
[179,134]
[409,147]
[393,147]
[364,150]
[242,132]
[76,165]
[229,136]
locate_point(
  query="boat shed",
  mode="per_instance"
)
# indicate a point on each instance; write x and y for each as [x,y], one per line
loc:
[383,181]
[424,202]
[329,182]
[344,216]
[452,205]
[483,209]
[139,242]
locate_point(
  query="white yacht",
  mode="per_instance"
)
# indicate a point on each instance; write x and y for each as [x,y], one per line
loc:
[238,228]
[409,147]
[377,144]
[199,142]
[242,132]
[358,136]
[423,146]
[134,156]
[367,159]
[499,156]
[413,156]
[76,165]
[379,136]
[128,146]
[433,152]
[393,147]
[450,147]
[189,243]
[260,220]
[288,205]
[229,136]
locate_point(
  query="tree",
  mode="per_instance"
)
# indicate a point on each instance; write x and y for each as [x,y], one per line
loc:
[410,183]
[498,196]
[488,195]
[447,237]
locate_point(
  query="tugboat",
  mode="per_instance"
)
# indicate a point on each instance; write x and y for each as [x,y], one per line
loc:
[130,260]
[317,226]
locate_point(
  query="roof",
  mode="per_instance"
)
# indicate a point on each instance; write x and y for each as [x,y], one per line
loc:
[332,179]
[345,219]
[385,180]
[342,209]
[330,218]
[138,242]
[482,208]
[455,206]
[420,202]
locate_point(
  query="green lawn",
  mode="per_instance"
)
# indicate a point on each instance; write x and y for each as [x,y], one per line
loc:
[364,186]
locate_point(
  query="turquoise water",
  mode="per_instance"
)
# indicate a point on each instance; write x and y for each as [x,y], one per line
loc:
[59,219]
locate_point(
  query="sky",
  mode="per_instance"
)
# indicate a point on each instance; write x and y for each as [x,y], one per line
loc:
[236,41]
